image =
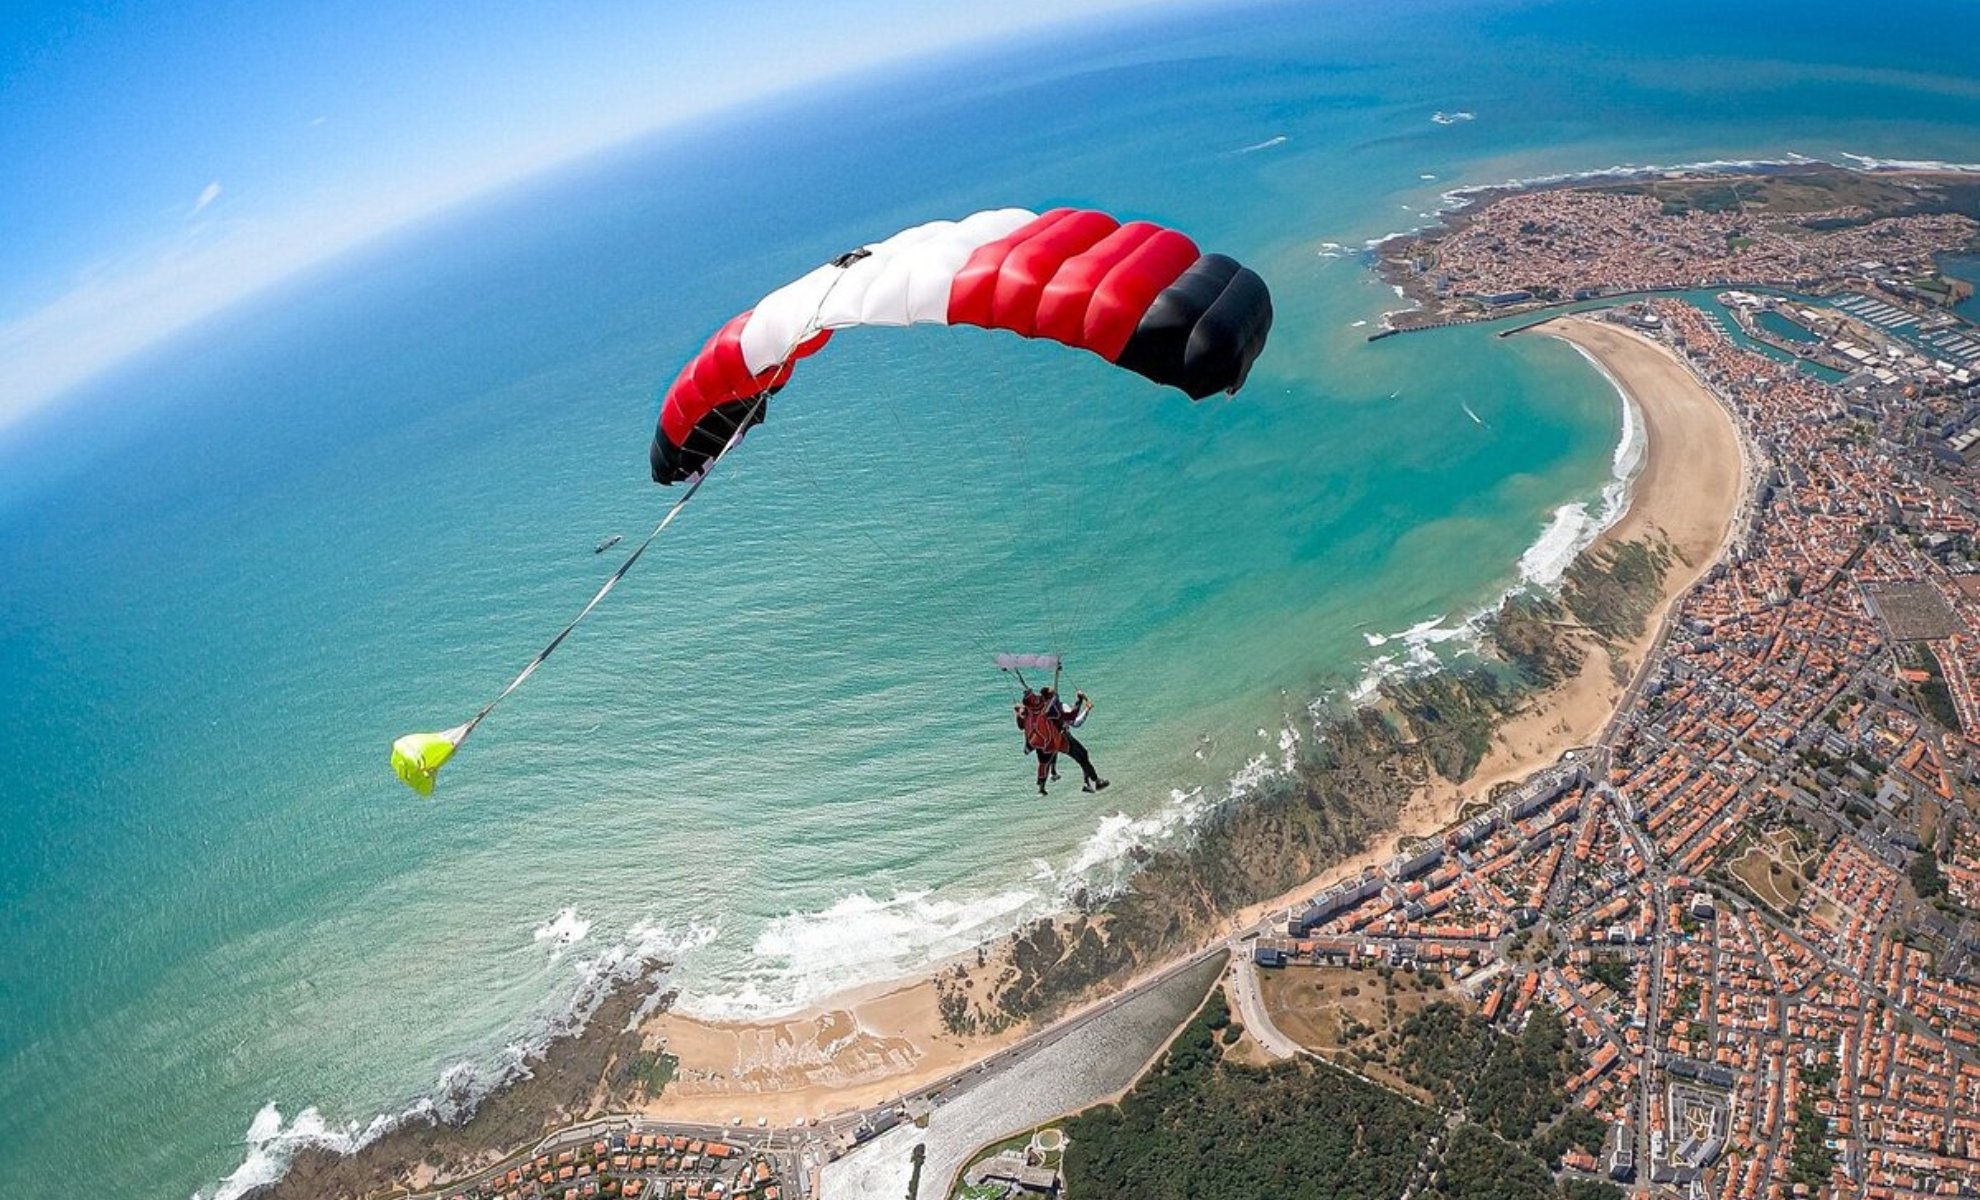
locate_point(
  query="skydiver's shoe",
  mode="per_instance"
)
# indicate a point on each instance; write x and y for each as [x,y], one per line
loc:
[1054,777]
[1094,785]
[1041,789]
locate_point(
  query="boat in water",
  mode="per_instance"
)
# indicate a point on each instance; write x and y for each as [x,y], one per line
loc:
[608,543]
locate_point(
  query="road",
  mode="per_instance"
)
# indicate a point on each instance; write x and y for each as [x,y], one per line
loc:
[1242,980]
[1083,1063]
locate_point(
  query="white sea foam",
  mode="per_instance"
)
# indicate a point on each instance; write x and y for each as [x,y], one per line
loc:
[1548,558]
[1869,163]
[1452,118]
[1429,644]
[1575,526]
[273,1142]
[562,931]
[802,957]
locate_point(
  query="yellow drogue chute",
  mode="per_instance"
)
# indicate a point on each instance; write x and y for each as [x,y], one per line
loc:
[418,757]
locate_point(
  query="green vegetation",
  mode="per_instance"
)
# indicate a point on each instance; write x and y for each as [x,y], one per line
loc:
[1810,1160]
[1789,194]
[1478,1166]
[1510,1085]
[651,1071]
[1934,696]
[1612,971]
[1578,1127]
[1199,1125]
[1926,878]
[1200,1128]
[1688,998]
[1614,596]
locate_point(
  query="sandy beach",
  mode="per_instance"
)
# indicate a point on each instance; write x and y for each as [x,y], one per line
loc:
[884,1041]
[1685,494]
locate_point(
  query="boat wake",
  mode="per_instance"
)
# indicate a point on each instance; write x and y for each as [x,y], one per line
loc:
[1267,144]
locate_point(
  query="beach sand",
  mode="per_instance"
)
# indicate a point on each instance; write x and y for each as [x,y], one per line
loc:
[886,1040]
[1691,484]
[864,1047]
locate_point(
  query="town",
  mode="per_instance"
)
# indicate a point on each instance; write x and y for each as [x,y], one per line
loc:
[638,1160]
[1751,900]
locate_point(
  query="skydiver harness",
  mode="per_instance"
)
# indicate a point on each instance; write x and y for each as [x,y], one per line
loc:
[1041,732]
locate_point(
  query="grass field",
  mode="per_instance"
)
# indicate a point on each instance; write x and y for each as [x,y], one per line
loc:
[1775,868]
[1336,1011]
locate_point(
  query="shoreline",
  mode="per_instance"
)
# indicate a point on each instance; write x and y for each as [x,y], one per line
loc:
[888,1043]
[886,1039]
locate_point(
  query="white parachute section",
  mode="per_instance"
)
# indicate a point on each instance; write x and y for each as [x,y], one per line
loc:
[1027,662]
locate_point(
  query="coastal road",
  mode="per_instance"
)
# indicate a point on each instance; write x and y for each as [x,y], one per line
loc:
[1093,1057]
[1243,983]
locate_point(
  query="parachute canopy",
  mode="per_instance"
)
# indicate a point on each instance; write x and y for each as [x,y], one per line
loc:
[1027,662]
[1136,294]
[418,757]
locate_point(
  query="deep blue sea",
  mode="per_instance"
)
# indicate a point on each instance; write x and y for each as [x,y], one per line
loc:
[232,571]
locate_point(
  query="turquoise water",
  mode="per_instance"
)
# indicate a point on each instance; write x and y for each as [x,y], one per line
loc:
[1781,327]
[1965,268]
[1708,300]
[233,571]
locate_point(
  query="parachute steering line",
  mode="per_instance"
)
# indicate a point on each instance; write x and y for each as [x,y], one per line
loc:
[418,757]
[1142,297]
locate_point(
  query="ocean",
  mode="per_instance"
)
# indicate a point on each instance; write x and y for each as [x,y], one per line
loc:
[234,569]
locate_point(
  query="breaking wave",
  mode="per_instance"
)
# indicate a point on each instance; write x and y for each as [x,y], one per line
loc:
[562,931]
[1430,644]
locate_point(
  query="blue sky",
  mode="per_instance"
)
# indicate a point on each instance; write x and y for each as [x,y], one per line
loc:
[164,160]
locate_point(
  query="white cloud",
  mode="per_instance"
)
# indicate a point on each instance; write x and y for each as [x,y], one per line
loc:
[207,195]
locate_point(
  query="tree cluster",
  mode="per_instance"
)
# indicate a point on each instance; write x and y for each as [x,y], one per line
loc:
[1199,1128]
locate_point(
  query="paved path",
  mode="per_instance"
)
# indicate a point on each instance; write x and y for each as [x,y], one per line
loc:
[1099,1058]
[1250,1007]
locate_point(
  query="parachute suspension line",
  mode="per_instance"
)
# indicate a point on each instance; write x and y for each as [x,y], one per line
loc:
[1020,440]
[1016,436]
[418,757]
